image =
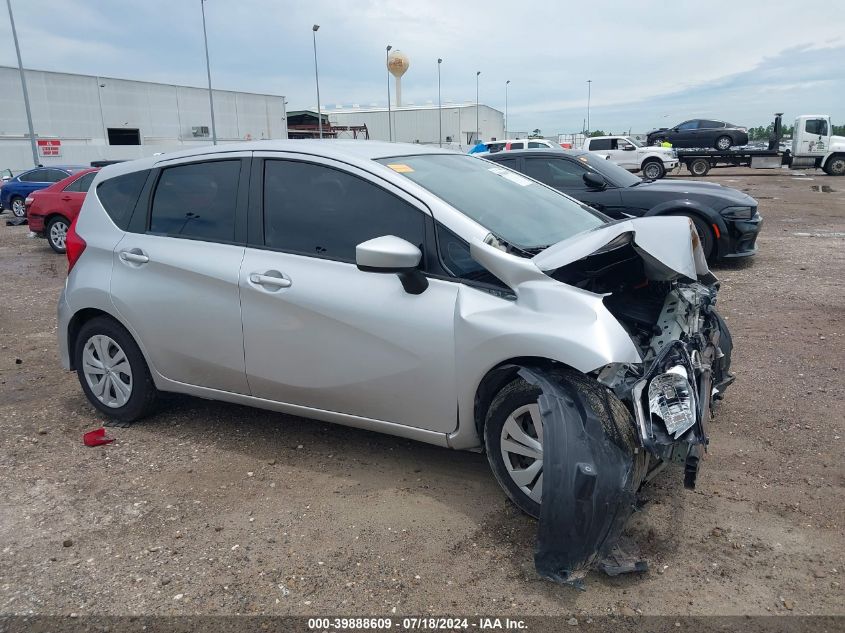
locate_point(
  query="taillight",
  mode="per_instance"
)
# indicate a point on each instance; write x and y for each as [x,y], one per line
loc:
[74,245]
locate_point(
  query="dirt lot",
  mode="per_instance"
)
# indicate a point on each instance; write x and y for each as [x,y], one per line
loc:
[214,508]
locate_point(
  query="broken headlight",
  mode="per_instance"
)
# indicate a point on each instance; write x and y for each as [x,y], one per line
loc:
[672,399]
[738,213]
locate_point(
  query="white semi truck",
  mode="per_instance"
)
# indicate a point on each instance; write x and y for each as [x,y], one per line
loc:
[813,146]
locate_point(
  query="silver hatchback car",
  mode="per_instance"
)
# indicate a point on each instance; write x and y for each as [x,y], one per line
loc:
[413,291]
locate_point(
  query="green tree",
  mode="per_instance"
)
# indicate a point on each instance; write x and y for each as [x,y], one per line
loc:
[596,133]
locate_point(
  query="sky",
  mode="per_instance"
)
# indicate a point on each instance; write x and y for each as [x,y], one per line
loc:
[652,64]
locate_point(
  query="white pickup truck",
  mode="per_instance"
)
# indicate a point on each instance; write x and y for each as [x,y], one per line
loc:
[629,153]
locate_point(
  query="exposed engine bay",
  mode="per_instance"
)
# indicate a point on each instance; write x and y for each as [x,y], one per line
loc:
[684,344]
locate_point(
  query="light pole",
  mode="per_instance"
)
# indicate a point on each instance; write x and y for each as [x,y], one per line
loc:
[23,85]
[387,62]
[314,30]
[439,107]
[589,84]
[208,70]
[506,107]
[477,131]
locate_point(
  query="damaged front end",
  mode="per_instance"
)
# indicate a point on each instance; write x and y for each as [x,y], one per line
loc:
[666,303]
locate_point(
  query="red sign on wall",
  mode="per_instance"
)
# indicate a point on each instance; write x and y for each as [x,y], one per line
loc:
[49,147]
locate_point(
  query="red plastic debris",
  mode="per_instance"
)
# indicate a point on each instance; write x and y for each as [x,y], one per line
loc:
[97,437]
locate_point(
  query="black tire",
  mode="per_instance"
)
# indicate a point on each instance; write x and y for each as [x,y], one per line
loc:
[17,206]
[835,165]
[56,232]
[723,143]
[143,393]
[705,234]
[518,393]
[699,166]
[654,169]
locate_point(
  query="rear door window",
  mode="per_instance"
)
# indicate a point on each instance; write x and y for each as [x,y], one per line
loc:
[599,144]
[82,184]
[536,144]
[118,196]
[709,125]
[36,175]
[55,175]
[517,145]
[197,201]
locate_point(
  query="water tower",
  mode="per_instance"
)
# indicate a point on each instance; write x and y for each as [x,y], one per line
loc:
[397,64]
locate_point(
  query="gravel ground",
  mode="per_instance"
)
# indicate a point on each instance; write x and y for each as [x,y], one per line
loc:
[214,508]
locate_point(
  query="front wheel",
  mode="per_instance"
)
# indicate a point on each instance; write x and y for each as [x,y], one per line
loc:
[654,170]
[18,207]
[835,166]
[723,143]
[705,235]
[513,432]
[112,371]
[57,229]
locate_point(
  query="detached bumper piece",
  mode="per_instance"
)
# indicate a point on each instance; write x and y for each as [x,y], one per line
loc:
[591,472]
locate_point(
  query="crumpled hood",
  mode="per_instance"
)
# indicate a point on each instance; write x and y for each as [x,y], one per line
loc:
[669,245]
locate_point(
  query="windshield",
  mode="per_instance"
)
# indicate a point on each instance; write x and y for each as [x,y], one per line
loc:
[523,213]
[610,170]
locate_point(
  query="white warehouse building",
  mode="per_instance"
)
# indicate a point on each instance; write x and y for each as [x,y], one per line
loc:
[419,123]
[81,118]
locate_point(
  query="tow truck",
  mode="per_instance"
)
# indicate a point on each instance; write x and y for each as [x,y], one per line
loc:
[813,147]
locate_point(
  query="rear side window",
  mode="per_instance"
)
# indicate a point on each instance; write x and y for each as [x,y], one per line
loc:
[118,196]
[536,144]
[599,143]
[197,201]
[55,175]
[517,145]
[324,212]
[83,184]
[711,124]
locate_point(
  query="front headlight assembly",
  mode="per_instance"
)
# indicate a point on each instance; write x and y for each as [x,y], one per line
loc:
[672,399]
[738,213]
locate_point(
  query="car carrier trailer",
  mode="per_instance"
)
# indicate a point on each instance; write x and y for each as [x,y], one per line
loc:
[813,146]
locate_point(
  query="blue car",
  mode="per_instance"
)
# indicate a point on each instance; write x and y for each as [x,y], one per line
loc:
[14,191]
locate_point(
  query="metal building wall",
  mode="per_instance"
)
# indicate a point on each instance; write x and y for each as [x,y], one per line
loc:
[421,124]
[78,109]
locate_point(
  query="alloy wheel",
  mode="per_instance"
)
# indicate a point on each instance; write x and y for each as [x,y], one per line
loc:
[58,235]
[18,208]
[652,171]
[723,143]
[521,444]
[107,371]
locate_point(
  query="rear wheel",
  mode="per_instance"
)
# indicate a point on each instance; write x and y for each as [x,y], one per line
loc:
[112,371]
[654,170]
[699,166]
[18,206]
[835,165]
[723,143]
[57,229]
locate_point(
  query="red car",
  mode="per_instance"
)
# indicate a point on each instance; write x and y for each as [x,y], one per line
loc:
[50,211]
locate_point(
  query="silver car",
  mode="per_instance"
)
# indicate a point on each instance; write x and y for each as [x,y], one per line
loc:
[413,291]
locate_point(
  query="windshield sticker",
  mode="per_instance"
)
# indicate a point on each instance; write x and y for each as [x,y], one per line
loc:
[509,175]
[400,168]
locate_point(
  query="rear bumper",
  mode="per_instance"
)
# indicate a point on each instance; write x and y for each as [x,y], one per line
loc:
[64,315]
[35,222]
[741,238]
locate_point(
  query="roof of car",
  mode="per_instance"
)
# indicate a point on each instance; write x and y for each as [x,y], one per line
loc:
[539,152]
[340,149]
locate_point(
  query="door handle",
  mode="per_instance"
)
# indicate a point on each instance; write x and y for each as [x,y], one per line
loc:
[274,281]
[134,257]
[66,198]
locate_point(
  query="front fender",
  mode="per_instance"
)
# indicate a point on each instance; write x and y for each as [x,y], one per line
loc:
[706,213]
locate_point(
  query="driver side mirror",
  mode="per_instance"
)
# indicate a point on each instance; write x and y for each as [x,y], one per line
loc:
[628,148]
[391,254]
[594,181]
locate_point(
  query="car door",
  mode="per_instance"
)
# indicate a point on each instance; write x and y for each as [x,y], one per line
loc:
[73,194]
[175,272]
[567,175]
[322,334]
[33,181]
[686,134]
[624,154]
[707,132]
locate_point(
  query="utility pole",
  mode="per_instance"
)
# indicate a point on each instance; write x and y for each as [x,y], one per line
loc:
[314,30]
[589,84]
[208,70]
[387,63]
[23,85]
[477,130]
[439,107]
[506,107]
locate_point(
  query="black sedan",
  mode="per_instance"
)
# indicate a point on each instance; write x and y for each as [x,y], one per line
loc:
[703,133]
[727,220]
